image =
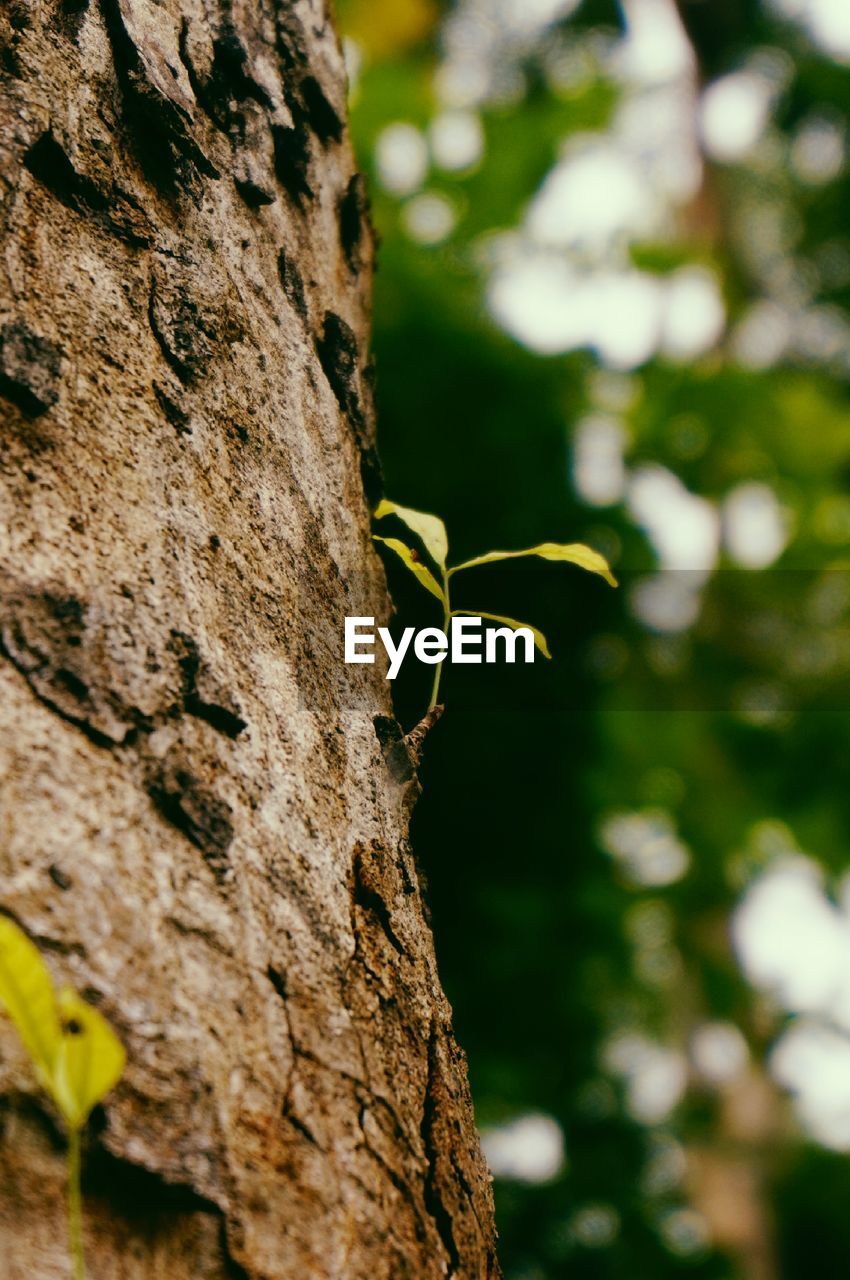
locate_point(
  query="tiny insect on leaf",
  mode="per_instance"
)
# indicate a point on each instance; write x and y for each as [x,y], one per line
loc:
[429,528]
[419,570]
[90,1059]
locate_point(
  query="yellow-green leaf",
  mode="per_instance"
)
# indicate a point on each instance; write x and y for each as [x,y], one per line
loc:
[89,1062]
[416,567]
[26,992]
[429,528]
[539,638]
[574,552]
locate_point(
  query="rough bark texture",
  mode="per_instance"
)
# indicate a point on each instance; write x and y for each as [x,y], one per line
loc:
[203,816]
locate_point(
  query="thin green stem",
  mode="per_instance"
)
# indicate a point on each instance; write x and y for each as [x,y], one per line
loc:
[75,1207]
[447,613]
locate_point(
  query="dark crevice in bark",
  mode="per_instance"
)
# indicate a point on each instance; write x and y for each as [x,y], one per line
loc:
[80,722]
[203,818]
[230,80]
[366,895]
[400,1184]
[298,1124]
[174,412]
[277,980]
[116,211]
[292,162]
[222,718]
[317,113]
[43,941]
[136,1191]
[338,355]
[30,368]
[253,193]
[433,1198]
[158,126]
[140,1196]
[49,163]
[353,212]
[43,635]
[179,366]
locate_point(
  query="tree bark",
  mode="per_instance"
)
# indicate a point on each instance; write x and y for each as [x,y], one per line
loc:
[203,812]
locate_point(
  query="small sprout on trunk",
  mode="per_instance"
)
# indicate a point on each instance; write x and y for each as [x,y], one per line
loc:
[431,532]
[77,1057]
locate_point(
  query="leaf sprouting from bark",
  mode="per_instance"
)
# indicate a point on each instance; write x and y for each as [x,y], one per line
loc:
[76,1054]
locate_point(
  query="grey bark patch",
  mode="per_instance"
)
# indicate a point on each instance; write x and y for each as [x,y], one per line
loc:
[394,748]
[42,634]
[292,282]
[30,369]
[185,326]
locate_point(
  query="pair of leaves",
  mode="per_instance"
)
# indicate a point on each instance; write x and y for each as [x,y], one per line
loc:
[76,1054]
[432,533]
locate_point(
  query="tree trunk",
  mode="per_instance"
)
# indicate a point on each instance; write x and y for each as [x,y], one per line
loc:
[204,813]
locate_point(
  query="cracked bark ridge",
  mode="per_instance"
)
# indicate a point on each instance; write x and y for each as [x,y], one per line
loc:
[203,813]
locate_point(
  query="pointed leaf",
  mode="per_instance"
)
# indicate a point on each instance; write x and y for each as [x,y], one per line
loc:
[539,638]
[429,528]
[26,992]
[573,552]
[416,567]
[89,1062]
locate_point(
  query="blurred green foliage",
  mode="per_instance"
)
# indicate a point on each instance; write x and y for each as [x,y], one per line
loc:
[723,738]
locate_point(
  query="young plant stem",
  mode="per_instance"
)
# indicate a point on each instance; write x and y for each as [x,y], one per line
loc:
[75,1207]
[447,614]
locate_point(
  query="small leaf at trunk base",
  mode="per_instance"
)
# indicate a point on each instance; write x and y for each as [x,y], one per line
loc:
[89,1062]
[26,992]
